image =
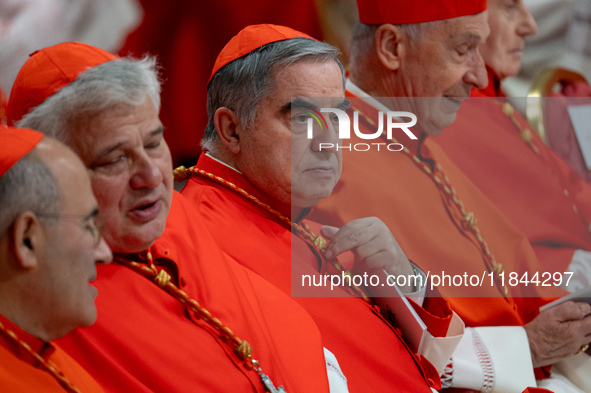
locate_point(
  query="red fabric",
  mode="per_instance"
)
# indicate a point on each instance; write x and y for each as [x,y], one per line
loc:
[187,36]
[377,12]
[493,89]
[251,38]
[436,313]
[145,341]
[3,103]
[429,226]
[47,71]
[437,318]
[541,195]
[20,372]
[576,89]
[365,345]
[15,143]
[559,128]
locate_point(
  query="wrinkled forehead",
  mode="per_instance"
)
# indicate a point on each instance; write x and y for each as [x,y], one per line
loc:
[121,119]
[90,130]
[321,82]
[472,28]
[121,126]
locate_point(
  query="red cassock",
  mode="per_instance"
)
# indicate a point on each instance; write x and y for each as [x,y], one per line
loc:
[146,341]
[369,350]
[3,103]
[533,186]
[438,216]
[20,372]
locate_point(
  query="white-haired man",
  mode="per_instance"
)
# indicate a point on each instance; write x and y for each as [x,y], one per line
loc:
[176,314]
[418,58]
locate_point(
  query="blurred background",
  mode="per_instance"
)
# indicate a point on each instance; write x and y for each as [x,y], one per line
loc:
[187,35]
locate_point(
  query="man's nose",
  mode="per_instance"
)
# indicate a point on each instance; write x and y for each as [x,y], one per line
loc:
[476,75]
[102,253]
[146,174]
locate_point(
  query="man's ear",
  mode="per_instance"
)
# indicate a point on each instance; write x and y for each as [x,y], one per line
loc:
[28,235]
[227,126]
[389,46]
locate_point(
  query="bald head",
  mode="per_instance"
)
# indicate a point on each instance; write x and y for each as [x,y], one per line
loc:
[49,243]
[28,185]
[67,170]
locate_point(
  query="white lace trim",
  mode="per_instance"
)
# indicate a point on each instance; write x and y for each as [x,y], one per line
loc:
[337,370]
[447,376]
[488,371]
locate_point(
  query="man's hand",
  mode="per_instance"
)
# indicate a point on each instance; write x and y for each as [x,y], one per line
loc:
[559,332]
[373,245]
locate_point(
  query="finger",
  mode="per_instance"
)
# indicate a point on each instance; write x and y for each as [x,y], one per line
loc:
[383,240]
[570,311]
[374,246]
[349,240]
[328,231]
[377,259]
[362,224]
[355,233]
[351,229]
[394,263]
[585,327]
[384,260]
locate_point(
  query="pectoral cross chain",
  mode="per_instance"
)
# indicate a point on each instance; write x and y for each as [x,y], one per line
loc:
[269,384]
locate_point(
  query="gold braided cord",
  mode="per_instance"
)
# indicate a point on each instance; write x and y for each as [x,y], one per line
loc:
[241,348]
[162,278]
[524,132]
[181,174]
[320,244]
[48,365]
[469,221]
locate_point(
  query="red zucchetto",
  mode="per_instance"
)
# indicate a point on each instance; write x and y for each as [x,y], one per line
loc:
[15,143]
[250,38]
[47,71]
[397,12]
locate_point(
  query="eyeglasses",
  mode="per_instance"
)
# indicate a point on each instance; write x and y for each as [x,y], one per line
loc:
[93,223]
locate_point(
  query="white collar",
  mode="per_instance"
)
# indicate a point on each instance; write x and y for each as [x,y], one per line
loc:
[221,162]
[353,88]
